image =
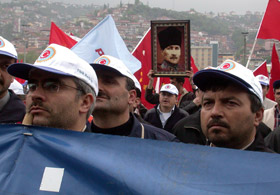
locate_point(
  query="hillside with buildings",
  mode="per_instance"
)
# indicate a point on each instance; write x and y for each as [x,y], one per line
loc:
[27,23]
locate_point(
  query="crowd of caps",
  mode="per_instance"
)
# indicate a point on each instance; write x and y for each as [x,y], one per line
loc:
[226,108]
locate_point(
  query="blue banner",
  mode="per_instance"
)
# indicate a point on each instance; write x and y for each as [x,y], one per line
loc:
[39,160]
[104,39]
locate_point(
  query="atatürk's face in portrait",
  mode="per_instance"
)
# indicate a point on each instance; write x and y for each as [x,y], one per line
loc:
[172,54]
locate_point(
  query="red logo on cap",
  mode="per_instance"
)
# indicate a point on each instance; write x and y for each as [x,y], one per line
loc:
[227,66]
[46,54]
[2,43]
[167,87]
[102,61]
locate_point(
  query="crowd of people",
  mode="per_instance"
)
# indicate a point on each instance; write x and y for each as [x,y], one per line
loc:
[227,106]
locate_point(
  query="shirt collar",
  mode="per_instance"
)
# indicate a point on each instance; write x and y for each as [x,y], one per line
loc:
[172,110]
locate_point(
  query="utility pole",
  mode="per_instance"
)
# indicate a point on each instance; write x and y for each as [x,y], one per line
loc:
[244,53]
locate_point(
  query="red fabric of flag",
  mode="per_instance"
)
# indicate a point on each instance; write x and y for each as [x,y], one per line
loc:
[143,52]
[262,69]
[270,26]
[274,73]
[59,37]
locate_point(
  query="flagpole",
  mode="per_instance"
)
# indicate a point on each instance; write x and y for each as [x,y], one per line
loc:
[250,56]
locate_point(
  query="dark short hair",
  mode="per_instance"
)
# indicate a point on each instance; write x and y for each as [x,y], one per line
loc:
[130,84]
[84,88]
[222,84]
[276,84]
[179,79]
[138,92]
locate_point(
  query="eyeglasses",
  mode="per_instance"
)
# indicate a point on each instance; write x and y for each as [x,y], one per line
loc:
[48,86]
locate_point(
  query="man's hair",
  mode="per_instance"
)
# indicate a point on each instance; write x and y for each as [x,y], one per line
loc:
[179,79]
[138,92]
[130,84]
[222,84]
[84,88]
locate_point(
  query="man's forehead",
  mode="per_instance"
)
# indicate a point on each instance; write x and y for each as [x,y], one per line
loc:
[229,90]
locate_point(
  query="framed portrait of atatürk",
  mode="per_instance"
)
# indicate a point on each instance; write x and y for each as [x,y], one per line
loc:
[170,47]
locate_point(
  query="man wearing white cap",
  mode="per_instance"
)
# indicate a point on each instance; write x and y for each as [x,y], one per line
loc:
[112,114]
[12,109]
[231,107]
[272,115]
[62,89]
[166,114]
[264,81]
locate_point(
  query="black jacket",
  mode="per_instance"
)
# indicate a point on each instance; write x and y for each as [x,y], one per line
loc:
[273,140]
[13,111]
[150,132]
[152,117]
[259,145]
[188,130]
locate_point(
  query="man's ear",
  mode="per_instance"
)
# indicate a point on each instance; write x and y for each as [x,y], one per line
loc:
[85,102]
[258,117]
[132,96]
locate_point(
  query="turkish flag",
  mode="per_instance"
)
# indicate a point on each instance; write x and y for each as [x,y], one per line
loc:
[59,37]
[270,26]
[274,73]
[143,52]
[261,69]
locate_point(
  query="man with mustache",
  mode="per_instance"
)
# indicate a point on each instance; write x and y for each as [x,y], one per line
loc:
[117,92]
[170,44]
[166,114]
[12,109]
[231,107]
[62,89]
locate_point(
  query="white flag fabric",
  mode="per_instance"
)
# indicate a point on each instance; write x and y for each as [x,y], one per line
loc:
[104,39]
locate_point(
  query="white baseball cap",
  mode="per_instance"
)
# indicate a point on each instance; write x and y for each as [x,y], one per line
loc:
[16,87]
[232,71]
[263,79]
[7,48]
[136,82]
[111,63]
[170,88]
[58,60]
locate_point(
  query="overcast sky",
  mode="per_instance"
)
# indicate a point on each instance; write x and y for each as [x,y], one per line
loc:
[239,6]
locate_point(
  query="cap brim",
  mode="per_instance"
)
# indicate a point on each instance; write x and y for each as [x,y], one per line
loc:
[8,54]
[21,70]
[168,92]
[202,78]
[106,68]
[263,83]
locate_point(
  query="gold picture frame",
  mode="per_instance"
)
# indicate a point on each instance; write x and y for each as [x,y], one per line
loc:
[170,47]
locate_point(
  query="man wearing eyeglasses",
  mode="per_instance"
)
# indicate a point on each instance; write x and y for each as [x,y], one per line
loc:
[12,109]
[62,88]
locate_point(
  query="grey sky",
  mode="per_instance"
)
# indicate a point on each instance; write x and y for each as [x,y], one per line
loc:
[239,6]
